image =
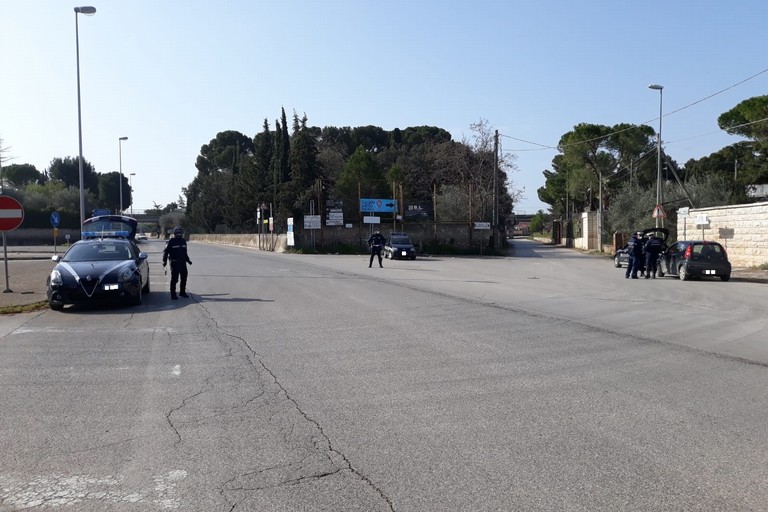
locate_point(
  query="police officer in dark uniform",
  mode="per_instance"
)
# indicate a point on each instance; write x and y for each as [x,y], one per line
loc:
[635,252]
[176,251]
[653,248]
[376,243]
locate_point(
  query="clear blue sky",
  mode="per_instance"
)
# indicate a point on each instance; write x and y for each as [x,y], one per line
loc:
[171,74]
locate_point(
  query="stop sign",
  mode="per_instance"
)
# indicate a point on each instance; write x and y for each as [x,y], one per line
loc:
[11,213]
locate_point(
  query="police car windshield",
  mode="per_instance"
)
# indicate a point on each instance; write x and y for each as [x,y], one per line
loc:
[102,251]
[401,240]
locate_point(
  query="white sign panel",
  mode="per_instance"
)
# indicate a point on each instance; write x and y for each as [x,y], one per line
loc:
[702,220]
[371,220]
[335,217]
[482,225]
[311,222]
[290,240]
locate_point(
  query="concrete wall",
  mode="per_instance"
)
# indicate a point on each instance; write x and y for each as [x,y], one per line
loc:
[588,241]
[40,236]
[741,229]
[462,235]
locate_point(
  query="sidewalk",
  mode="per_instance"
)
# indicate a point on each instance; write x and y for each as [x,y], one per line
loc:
[28,268]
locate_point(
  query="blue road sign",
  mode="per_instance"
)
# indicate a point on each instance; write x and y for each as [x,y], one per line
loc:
[55,219]
[378,205]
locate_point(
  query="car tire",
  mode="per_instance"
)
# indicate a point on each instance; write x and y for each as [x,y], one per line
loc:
[726,277]
[660,272]
[682,273]
[56,306]
[616,262]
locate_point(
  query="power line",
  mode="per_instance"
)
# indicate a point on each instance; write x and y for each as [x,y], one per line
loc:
[543,147]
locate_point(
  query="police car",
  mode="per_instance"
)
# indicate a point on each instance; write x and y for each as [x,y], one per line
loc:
[106,265]
[621,256]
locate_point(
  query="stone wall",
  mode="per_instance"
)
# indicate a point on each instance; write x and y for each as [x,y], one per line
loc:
[741,229]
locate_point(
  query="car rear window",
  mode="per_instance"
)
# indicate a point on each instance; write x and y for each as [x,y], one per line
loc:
[708,251]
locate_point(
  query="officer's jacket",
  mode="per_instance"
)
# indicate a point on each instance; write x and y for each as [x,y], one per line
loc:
[653,246]
[176,251]
[635,247]
[376,240]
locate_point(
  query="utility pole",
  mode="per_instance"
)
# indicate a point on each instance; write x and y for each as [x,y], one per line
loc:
[496,231]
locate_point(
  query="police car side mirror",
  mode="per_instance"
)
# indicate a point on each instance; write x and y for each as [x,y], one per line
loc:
[56,258]
[143,255]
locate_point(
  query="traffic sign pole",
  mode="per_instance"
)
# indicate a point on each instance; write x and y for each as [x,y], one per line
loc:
[11,217]
[5,260]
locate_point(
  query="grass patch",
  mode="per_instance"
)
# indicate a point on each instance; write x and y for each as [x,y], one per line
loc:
[25,308]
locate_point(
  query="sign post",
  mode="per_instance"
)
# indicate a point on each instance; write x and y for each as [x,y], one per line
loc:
[55,220]
[11,217]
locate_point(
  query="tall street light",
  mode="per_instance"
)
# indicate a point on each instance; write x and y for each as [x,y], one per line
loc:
[80,10]
[130,185]
[659,88]
[120,144]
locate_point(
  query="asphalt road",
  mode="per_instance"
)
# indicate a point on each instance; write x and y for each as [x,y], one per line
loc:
[541,381]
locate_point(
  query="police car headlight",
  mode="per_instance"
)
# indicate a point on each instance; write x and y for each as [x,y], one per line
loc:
[56,278]
[125,275]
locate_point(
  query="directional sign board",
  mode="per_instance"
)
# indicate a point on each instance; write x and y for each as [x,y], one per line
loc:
[55,219]
[11,213]
[378,205]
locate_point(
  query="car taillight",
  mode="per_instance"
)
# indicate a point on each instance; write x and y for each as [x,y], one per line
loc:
[688,252]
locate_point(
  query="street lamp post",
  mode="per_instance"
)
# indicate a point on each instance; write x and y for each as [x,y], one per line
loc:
[130,185]
[120,150]
[79,10]
[659,88]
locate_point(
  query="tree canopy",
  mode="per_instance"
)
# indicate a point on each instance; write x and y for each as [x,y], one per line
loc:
[294,170]
[622,158]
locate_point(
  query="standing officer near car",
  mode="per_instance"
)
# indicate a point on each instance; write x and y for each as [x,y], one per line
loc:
[653,248]
[176,251]
[635,253]
[375,244]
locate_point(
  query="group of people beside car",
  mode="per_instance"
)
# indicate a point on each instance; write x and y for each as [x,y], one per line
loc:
[643,256]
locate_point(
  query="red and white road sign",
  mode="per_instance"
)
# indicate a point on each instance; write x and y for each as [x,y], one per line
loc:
[11,213]
[659,213]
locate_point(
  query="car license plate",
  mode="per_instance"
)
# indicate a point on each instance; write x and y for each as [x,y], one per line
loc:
[710,272]
[404,253]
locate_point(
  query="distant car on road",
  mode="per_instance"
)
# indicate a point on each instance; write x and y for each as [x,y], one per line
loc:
[141,237]
[695,258]
[398,246]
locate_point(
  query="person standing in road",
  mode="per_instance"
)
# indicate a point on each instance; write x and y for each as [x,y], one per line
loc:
[375,244]
[653,248]
[635,253]
[176,251]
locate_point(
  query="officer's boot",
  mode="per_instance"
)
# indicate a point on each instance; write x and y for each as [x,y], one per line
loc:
[173,294]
